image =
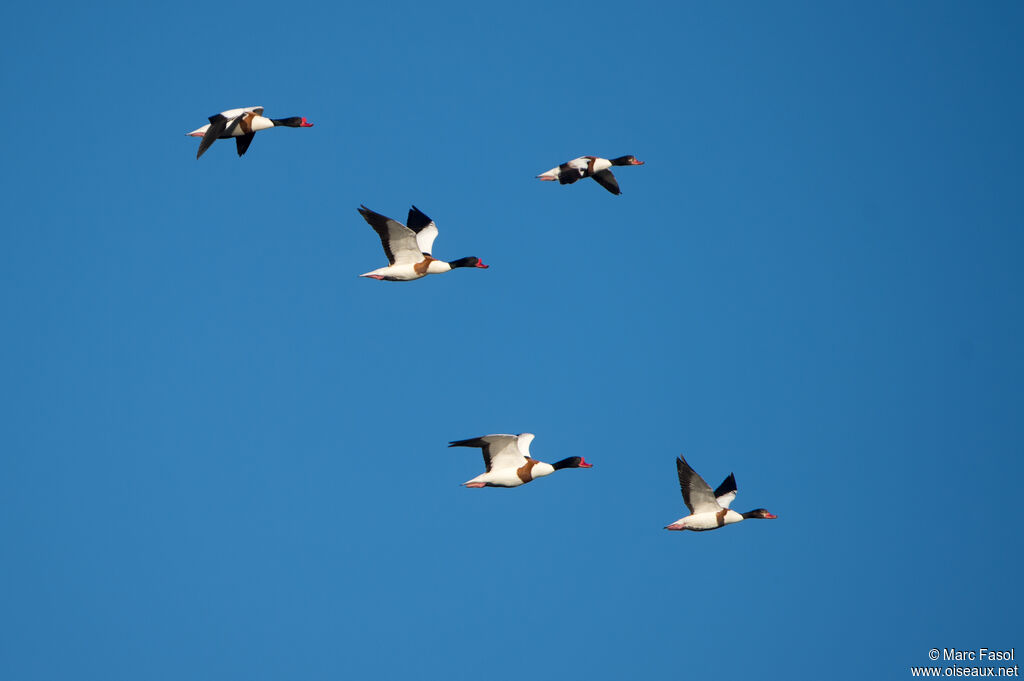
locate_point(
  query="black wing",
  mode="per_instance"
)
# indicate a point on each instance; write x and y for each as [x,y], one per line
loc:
[607,180]
[218,124]
[728,485]
[380,225]
[417,220]
[424,229]
[234,123]
[243,142]
[475,442]
[697,494]
[567,174]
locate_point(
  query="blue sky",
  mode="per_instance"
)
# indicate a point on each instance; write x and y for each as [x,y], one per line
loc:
[223,454]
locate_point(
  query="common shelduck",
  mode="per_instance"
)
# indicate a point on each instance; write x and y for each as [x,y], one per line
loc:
[590,166]
[708,510]
[241,124]
[408,247]
[508,461]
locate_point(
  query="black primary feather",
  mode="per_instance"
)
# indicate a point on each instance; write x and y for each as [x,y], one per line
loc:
[728,485]
[417,220]
[242,143]
[217,125]
[380,225]
[475,442]
[607,180]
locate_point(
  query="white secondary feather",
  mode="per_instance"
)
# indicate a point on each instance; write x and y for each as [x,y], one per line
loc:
[425,238]
[506,451]
[403,244]
[523,442]
[697,493]
[726,499]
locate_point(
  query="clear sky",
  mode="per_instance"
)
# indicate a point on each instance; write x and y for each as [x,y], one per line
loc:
[223,455]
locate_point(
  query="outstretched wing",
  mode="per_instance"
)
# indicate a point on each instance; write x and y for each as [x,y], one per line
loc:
[425,229]
[500,450]
[399,241]
[607,180]
[242,142]
[726,492]
[218,123]
[697,494]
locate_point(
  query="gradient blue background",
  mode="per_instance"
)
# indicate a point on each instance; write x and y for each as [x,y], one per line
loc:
[223,454]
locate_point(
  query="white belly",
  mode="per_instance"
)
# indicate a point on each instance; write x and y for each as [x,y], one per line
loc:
[506,477]
[395,273]
[710,520]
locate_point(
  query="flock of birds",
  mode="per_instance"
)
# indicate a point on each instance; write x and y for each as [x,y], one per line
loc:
[409,249]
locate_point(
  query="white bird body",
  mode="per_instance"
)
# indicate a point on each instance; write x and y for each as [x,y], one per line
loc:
[708,510]
[241,124]
[585,166]
[408,272]
[408,247]
[590,166]
[510,477]
[508,461]
[256,123]
[709,520]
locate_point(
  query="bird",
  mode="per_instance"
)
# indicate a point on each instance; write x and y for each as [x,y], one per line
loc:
[241,124]
[508,461]
[709,510]
[408,247]
[590,166]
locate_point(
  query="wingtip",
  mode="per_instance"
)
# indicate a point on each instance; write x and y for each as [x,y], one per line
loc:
[417,219]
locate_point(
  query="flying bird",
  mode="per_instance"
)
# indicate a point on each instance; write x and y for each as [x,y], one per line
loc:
[709,510]
[241,124]
[508,461]
[408,247]
[590,166]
